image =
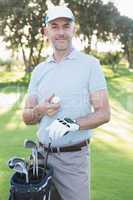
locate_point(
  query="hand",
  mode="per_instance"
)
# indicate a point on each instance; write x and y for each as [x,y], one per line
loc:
[47,108]
[59,128]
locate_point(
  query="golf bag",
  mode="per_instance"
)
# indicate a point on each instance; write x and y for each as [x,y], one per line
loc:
[37,189]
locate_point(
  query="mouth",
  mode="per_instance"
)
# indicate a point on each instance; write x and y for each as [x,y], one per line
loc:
[61,39]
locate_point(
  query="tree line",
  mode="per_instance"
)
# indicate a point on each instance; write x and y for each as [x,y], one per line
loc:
[22,24]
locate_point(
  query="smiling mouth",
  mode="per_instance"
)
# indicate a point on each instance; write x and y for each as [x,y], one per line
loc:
[61,39]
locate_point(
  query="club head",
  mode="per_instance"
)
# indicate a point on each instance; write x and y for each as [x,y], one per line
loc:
[21,168]
[12,161]
[29,144]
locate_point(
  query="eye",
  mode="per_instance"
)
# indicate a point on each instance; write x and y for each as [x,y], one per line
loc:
[54,27]
[66,25]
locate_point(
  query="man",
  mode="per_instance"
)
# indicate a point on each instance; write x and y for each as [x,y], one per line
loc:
[78,82]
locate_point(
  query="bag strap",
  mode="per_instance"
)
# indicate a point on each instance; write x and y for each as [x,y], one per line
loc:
[46,161]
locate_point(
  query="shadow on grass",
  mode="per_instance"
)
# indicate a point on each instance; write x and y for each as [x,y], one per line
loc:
[12,109]
[13,87]
[120,93]
[112,175]
[11,122]
[13,130]
[112,165]
[12,134]
[122,71]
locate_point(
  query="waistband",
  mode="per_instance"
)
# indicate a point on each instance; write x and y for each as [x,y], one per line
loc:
[71,148]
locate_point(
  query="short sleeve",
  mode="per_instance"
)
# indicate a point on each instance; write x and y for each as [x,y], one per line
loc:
[32,88]
[96,78]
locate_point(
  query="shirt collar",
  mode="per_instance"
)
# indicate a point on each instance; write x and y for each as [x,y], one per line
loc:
[50,59]
[71,55]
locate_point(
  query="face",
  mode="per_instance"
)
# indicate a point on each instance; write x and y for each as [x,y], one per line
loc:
[60,33]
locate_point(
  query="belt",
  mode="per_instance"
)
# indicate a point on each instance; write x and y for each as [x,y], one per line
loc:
[72,148]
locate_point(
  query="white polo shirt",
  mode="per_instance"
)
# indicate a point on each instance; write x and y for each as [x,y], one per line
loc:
[73,79]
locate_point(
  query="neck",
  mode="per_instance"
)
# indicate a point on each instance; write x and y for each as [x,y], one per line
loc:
[60,55]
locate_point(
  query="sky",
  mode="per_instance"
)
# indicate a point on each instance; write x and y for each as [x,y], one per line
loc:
[125,7]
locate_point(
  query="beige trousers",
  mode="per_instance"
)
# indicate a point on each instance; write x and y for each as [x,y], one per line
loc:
[71,174]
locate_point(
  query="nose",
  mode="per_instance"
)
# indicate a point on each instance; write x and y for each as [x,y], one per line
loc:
[61,31]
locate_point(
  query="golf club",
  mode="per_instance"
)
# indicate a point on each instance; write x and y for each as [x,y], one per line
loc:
[39,156]
[12,161]
[21,168]
[31,144]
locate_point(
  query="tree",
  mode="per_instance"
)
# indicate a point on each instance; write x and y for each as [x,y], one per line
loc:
[21,24]
[106,21]
[22,28]
[94,17]
[124,29]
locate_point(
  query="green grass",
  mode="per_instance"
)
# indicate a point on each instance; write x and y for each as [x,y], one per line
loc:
[111,146]
[12,133]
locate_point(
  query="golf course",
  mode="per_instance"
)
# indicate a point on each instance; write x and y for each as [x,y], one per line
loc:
[111,145]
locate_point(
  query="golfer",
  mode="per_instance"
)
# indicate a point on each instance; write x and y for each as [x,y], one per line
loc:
[67,97]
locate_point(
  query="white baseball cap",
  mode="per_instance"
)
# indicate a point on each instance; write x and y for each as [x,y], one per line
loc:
[57,12]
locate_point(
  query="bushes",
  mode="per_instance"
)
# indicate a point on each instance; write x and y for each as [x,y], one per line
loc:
[110,58]
[6,64]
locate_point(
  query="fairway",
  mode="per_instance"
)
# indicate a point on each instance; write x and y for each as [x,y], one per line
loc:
[111,146]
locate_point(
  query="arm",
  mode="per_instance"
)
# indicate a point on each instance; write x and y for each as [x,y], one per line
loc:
[101,114]
[28,112]
[34,111]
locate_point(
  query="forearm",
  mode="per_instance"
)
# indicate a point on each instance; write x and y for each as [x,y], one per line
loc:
[93,120]
[33,113]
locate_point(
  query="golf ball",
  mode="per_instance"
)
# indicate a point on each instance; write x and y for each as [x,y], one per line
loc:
[55,99]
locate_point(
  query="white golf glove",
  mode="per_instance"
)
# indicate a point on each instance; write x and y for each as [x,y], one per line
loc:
[61,127]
